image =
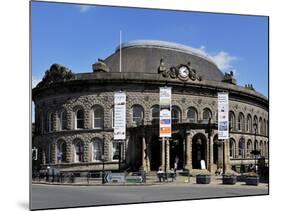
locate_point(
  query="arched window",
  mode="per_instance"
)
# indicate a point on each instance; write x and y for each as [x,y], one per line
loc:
[79,119]
[241,122]
[192,115]
[249,124]
[232,148]
[261,148]
[98,117]
[264,127]
[61,151]
[138,115]
[155,114]
[207,114]
[232,120]
[260,126]
[256,145]
[97,149]
[256,123]
[115,150]
[241,147]
[63,120]
[79,152]
[249,148]
[176,114]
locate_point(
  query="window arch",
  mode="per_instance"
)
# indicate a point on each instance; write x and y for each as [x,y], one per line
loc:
[192,115]
[97,149]
[155,114]
[138,115]
[241,122]
[79,119]
[249,124]
[207,114]
[260,126]
[63,120]
[61,151]
[256,123]
[79,151]
[249,148]
[261,148]
[232,120]
[98,117]
[176,114]
[241,146]
[232,148]
[264,127]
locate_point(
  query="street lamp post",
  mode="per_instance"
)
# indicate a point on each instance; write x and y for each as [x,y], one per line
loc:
[103,159]
[255,151]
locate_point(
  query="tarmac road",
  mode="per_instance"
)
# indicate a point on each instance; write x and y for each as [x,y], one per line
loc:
[57,196]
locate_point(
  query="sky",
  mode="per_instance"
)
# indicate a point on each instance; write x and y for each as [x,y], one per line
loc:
[77,35]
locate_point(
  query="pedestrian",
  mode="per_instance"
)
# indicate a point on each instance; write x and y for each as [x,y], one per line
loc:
[160,174]
[176,164]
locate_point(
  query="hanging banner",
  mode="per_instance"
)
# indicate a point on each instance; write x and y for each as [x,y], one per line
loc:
[119,115]
[165,112]
[223,131]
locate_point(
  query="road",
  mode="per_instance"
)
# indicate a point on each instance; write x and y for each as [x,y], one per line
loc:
[56,196]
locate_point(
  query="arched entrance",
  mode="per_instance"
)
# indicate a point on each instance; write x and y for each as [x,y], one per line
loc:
[199,150]
[155,158]
[176,151]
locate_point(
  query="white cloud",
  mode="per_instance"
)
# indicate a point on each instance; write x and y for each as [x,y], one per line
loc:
[222,59]
[85,8]
[35,81]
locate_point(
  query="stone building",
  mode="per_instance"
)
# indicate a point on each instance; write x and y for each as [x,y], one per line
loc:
[74,112]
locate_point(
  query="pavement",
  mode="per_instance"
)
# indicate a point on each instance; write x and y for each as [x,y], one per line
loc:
[150,180]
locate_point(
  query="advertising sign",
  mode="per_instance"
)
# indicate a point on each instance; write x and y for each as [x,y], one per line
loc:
[223,131]
[119,115]
[165,112]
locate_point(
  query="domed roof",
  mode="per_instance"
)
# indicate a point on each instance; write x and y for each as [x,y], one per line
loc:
[144,56]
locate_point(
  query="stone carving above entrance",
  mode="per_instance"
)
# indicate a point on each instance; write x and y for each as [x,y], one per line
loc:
[183,72]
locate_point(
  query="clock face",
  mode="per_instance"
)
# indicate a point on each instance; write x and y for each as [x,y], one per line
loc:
[183,72]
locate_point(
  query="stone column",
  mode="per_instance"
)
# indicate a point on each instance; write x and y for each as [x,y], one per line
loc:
[226,154]
[145,160]
[188,152]
[210,153]
[44,155]
[53,153]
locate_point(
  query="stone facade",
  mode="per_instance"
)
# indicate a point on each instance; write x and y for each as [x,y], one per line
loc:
[142,148]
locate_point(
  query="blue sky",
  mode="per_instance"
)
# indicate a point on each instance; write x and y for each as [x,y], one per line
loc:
[76,36]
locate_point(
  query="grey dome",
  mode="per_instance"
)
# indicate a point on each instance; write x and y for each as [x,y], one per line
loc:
[144,56]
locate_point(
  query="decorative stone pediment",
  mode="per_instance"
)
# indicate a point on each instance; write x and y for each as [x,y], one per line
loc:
[56,73]
[183,72]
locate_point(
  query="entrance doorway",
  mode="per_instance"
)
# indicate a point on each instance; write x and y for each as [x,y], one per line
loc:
[199,150]
[155,159]
[176,151]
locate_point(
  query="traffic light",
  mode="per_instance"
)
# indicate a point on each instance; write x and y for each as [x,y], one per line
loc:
[34,153]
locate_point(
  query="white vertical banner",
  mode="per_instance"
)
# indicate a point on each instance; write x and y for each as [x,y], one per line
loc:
[165,112]
[119,115]
[223,125]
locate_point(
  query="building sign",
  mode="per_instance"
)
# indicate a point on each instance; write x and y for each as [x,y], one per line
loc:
[223,131]
[165,112]
[119,115]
